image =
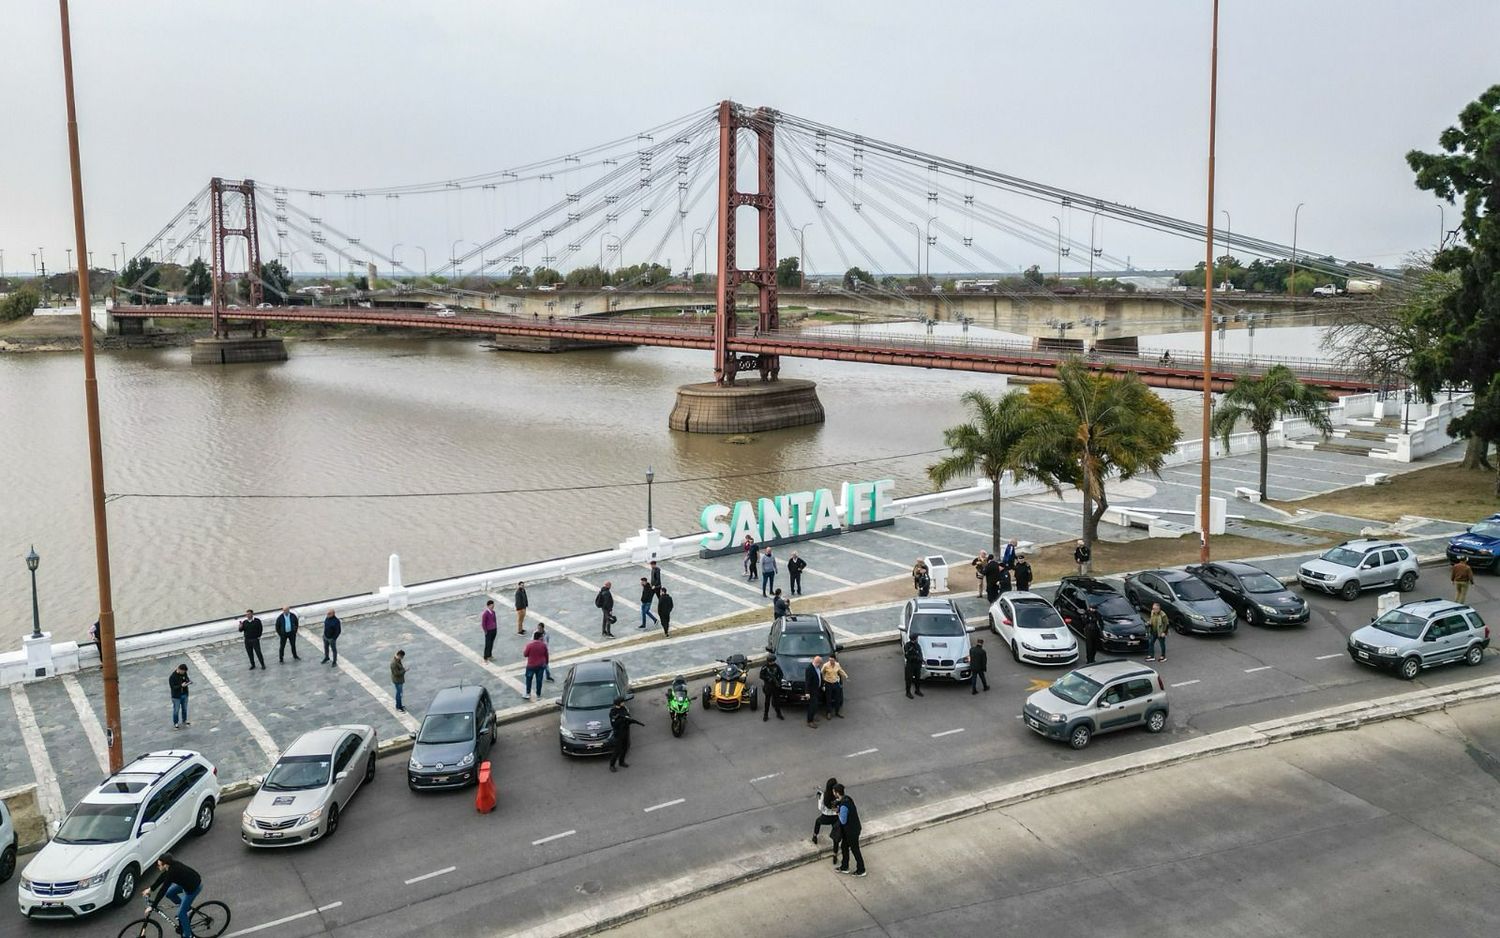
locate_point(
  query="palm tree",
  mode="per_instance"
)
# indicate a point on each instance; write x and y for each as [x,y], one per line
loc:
[1095,425]
[1264,400]
[992,444]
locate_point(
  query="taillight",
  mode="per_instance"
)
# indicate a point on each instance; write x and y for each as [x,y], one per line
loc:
[1159,684]
[1005,621]
[215,770]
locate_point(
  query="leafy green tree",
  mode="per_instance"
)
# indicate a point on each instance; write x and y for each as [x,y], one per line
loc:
[1098,425]
[546,275]
[19,304]
[856,275]
[1466,325]
[994,443]
[276,283]
[789,272]
[1261,401]
[200,283]
[1034,275]
[591,277]
[138,282]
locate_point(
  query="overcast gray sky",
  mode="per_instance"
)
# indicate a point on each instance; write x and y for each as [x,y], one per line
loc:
[1318,102]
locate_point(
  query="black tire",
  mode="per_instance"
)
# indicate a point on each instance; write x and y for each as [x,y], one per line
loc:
[678,725]
[369,773]
[1349,592]
[204,822]
[127,884]
[1079,736]
[1181,627]
[1410,668]
[1015,650]
[7,862]
[707,698]
[1407,583]
[754,699]
[1156,721]
[1472,657]
[993,627]
[142,928]
[210,919]
[332,826]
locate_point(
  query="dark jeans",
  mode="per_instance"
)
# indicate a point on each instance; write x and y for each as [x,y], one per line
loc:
[833,697]
[850,845]
[797,584]
[489,644]
[767,582]
[285,642]
[622,748]
[832,820]
[772,702]
[400,705]
[976,678]
[184,900]
[1091,647]
[331,649]
[252,649]
[666,623]
[913,679]
[535,674]
[812,704]
[179,710]
[608,614]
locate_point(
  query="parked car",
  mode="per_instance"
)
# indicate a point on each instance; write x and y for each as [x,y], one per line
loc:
[8,843]
[1098,698]
[114,834]
[1124,629]
[1479,545]
[1258,597]
[795,640]
[264,306]
[939,629]
[1422,634]
[1033,629]
[1190,605]
[301,798]
[1361,564]
[455,736]
[588,692]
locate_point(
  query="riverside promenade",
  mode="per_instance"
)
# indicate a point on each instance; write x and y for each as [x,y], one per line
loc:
[51,731]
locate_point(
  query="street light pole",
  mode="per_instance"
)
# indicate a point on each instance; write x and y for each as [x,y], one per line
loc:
[802,255]
[32,562]
[1291,284]
[1205,475]
[650,476]
[918,229]
[1059,247]
[1228,244]
[425,268]
[458,273]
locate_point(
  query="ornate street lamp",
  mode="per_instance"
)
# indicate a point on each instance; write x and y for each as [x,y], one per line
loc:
[32,562]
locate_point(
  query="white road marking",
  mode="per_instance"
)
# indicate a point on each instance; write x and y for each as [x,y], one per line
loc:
[1184,683]
[862,752]
[842,633]
[48,793]
[739,581]
[587,585]
[237,707]
[550,623]
[827,542]
[664,804]
[952,527]
[464,650]
[764,778]
[1264,667]
[947,732]
[442,872]
[545,840]
[381,695]
[89,720]
[940,548]
[282,921]
[737,600]
[1337,654]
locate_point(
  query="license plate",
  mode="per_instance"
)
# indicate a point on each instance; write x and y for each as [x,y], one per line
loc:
[1034,724]
[440,778]
[51,905]
[595,745]
[272,835]
[1364,654]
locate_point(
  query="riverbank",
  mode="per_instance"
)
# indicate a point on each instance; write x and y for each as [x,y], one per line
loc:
[60,333]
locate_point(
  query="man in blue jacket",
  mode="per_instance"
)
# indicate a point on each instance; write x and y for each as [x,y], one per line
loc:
[332,628]
[849,831]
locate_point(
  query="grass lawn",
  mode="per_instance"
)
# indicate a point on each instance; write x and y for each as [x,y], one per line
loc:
[42,327]
[1446,491]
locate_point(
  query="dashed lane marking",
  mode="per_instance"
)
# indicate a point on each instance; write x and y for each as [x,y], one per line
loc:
[464,650]
[48,793]
[764,778]
[549,839]
[1264,667]
[244,714]
[947,732]
[282,921]
[1185,683]
[862,752]
[664,804]
[89,720]
[435,873]
[1337,654]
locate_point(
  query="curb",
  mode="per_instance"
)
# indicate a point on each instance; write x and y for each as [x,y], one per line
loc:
[736,872]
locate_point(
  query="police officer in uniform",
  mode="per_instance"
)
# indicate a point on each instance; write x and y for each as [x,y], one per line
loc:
[913,653]
[620,722]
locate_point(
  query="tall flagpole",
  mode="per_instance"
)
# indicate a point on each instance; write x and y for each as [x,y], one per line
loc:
[1205,474]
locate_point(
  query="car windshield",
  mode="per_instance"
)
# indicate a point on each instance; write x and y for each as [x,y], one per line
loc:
[1261,583]
[446,728]
[98,824]
[1112,605]
[299,773]
[1191,590]
[1486,529]
[1035,615]
[1075,688]
[1343,557]
[595,696]
[804,644]
[1400,623]
[936,624]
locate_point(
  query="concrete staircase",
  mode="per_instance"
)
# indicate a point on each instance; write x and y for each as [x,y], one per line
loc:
[1359,438]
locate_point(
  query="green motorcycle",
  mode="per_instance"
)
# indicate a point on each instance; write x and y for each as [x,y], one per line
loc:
[679,702]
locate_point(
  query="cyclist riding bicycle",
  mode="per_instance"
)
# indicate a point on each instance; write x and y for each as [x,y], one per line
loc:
[180,883]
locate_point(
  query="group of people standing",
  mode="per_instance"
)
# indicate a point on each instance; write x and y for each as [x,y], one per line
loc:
[996,575]
[837,810]
[761,562]
[251,629]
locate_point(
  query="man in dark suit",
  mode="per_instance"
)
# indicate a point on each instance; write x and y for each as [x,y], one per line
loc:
[251,628]
[812,682]
[286,634]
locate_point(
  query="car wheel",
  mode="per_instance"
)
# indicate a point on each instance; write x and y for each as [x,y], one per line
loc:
[1080,736]
[1156,721]
[1015,650]
[754,699]
[205,819]
[993,628]
[7,862]
[1349,592]
[1473,656]
[1410,668]
[333,821]
[125,886]
[1407,583]
[370,769]
[1181,627]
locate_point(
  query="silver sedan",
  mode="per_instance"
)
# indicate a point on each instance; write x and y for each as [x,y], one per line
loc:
[301,798]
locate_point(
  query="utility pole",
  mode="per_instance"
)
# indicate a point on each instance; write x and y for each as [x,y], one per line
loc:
[1059,248]
[1205,473]
[1291,283]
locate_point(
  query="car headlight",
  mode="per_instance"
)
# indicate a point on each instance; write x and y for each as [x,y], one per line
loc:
[1114,636]
[785,683]
[1195,616]
[1054,718]
[1388,650]
[1268,610]
[565,733]
[412,763]
[97,879]
[26,884]
[311,816]
[1027,647]
[1484,550]
[467,760]
[964,660]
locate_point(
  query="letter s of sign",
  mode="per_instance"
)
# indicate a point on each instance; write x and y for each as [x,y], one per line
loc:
[715,520]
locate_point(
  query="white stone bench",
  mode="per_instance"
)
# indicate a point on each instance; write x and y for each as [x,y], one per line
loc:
[1247,493]
[1377,478]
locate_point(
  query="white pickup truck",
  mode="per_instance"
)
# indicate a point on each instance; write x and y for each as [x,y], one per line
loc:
[1326,289]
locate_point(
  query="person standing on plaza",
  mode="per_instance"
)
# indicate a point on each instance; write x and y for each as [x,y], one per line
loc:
[979,662]
[770,686]
[849,833]
[812,682]
[923,579]
[912,652]
[1462,576]
[794,567]
[780,606]
[522,603]
[1004,581]
[286,634]
[251,629]
[1008,554]
[546,637]
[978,563]
[1023,573]
[1082,557]
[332,629]
[828,813]
[1156,634]
[648,596]
[1093,632]
[767,572]
[536,655]
[605,602]
[664,604]
[177,684]
[752,557]
[620,722]
[654,574]
[398,677]
[992,571]
[834,676]
[489,625]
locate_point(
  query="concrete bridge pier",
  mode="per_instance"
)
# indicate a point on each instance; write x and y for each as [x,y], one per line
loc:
[751,407]
[238,350]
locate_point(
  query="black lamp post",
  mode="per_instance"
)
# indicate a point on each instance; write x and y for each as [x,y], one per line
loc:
[32,562]
[649,476]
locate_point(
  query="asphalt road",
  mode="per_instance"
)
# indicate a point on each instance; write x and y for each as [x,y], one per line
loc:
[568,832]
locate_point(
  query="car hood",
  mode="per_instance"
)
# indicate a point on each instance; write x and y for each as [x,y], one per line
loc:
[448,754]
[1320,565]
[1281,600]
[943,646]
[1370,635]
[1215,608]
[270,805]
[1475,542]
[590,721]
[792,666]
[1048,702]
[66,863]
[1054,639]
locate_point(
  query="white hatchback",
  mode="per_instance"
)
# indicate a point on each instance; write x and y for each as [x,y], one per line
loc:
[116,832]
[1033,629]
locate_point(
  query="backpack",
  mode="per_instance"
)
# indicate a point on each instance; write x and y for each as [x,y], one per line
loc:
[599,600]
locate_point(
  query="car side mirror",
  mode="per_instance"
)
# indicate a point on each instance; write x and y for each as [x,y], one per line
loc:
[630,695]
[258,781]
[770,650]
[148,826]
[558,701]
[838,648]
[341,776]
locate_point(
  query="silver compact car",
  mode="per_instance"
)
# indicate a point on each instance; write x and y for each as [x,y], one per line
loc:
[1421,635]
[1353,566]
[1098,698]
[301,798]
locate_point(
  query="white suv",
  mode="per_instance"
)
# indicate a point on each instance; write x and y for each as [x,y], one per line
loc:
[117,831]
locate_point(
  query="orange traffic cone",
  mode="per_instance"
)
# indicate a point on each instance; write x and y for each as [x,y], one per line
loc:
[484,798]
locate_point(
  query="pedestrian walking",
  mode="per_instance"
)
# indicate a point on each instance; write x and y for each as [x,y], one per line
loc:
[1082,556]
[912,652]
[770,686]
[1023,573]
[94,632]
[794,567]
[664,604]
[536,655]
[849,833]
[1462,576]
[489,625]
[979,662]
[752,558]
[1093,632]
[780,606]
[812,681]
[767,572]
[828,812]
[177,684]
[654,574]
[648,596]
[541,630]
[834,676]
[620,722]
[286,634]
[1008,553]
[1156,634]
[332,628]
[398,677]
[605,602]
[992,570]
[251,629]
[522,603]
[978,563]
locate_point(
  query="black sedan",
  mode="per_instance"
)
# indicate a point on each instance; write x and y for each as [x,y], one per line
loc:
[588,692]
[1258,597]
[1124,630]
[1188,602]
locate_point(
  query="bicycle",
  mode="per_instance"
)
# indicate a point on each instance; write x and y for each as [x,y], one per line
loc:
[209,919]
